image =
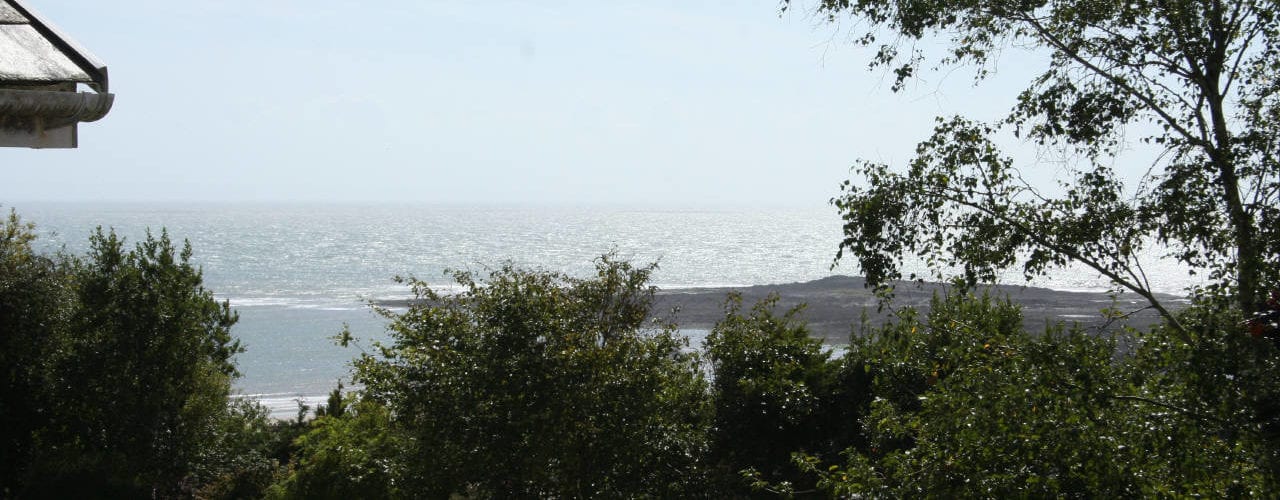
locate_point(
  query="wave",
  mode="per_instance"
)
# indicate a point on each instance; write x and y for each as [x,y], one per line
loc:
[284,406]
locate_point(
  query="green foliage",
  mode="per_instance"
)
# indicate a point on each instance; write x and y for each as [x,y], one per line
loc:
[538,384]
[775,391]
[247,455]
[117,370]
[1200,75]
[141,376]
[1222,383]
[967,404]
[335,405]
[147,372]
[345,454]
[1192,410]
[1001,414]
[33,292]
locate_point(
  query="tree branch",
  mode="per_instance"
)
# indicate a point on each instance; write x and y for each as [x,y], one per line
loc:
[1061,46]
[1071,253]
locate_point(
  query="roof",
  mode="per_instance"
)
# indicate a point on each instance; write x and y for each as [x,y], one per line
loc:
[29,57]
[34,52]
[9,15]
[40,72]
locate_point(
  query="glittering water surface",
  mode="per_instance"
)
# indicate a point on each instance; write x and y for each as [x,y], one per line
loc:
[296,273]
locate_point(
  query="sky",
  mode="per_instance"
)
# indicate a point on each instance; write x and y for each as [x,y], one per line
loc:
[564,102]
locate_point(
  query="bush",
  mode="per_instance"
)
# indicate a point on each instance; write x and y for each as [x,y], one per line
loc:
[344,455]
[776,391]
[538,384]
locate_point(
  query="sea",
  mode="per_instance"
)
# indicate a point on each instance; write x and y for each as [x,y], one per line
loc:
[298,272]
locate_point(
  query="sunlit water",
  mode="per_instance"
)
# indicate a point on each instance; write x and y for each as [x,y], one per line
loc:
[296,273]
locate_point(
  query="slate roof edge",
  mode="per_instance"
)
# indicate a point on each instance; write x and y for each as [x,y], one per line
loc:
[95,68]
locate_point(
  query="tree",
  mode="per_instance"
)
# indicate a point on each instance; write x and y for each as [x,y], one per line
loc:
[775,391]
[147,366]
[34,293]
[966,403]
[1201,73]
[535,384]
[1198,80]
[117,369]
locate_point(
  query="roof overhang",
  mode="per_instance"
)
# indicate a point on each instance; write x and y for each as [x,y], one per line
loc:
[40,72]
[47,118]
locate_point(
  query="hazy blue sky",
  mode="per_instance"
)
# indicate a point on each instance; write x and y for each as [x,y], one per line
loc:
[562,102]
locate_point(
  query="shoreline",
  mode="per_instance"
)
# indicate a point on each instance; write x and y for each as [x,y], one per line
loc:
[835,304]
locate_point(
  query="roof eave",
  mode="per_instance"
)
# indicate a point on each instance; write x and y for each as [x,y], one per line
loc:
[54,108]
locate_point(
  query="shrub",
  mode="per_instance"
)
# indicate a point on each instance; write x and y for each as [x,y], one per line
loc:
[539,384]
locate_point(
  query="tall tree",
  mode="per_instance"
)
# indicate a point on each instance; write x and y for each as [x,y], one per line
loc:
[1202,72]
[124,362]
[33,298]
